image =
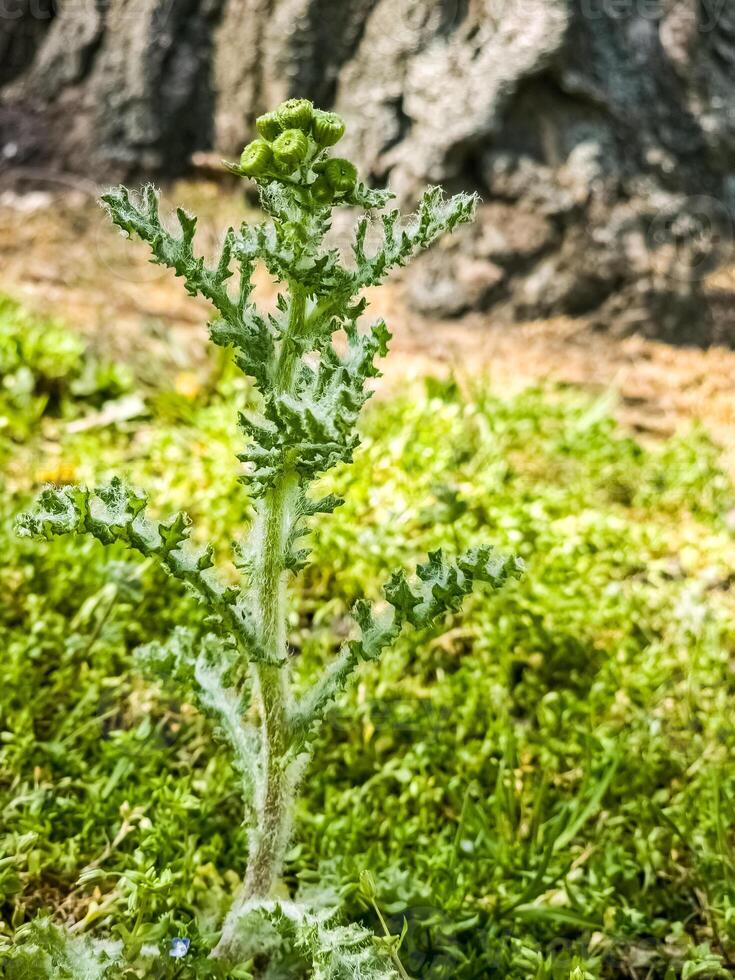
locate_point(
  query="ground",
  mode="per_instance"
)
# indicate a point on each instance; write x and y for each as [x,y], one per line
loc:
[58,255]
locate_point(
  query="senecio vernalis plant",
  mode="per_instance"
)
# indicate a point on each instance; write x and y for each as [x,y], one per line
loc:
[310,394]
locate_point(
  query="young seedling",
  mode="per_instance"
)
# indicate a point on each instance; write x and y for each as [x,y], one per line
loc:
[311,392]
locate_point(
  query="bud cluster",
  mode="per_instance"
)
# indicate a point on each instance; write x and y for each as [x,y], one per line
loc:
[292,148]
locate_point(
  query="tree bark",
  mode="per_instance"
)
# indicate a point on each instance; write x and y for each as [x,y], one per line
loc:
[604,130]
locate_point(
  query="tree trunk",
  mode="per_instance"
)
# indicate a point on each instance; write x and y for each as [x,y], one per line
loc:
[600,134]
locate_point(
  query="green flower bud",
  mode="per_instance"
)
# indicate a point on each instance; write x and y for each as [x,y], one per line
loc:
[368,886]
[268,126]
[327,127]
[341,174]
[289,149]
[295,114]
[256,159]
[322,191]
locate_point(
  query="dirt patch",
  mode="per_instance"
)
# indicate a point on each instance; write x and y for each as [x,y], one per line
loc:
[59,256]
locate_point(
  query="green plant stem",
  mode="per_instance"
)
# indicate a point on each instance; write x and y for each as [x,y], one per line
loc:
[388,935]
[275,798]
[289,353]
[273,809]
[270,583]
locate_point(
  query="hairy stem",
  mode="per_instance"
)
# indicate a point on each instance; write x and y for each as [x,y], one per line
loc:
[271,532]
[274,801]
[289,353]
[273,807]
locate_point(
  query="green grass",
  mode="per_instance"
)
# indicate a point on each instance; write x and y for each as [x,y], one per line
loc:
[543,788]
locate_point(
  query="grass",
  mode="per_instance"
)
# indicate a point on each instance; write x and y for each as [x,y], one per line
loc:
[543,788]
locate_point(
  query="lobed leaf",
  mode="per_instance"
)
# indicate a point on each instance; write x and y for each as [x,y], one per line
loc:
[313,428]
[439,588]
[281,929]
[435,217]
[204,665]
[240,325]
[47,952]
[117,513]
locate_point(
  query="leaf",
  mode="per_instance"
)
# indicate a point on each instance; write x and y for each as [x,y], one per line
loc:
[240,325]
[332,951]
[47,952]
[116,512]
[313,428]
[402,240]
[400,596]
[440,588]
[206,665]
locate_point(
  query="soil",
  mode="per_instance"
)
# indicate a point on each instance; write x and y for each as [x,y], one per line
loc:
[59,256]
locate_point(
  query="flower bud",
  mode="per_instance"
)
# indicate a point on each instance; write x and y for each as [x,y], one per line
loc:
[268,126]
[368,886]
[341,174]
[289,149]
[327,128]
[295,114]
[322,191]
[256,159]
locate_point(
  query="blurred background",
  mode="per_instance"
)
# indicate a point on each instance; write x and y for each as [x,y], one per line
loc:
[600,135]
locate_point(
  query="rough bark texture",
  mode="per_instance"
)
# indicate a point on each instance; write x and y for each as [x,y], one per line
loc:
[600,133]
